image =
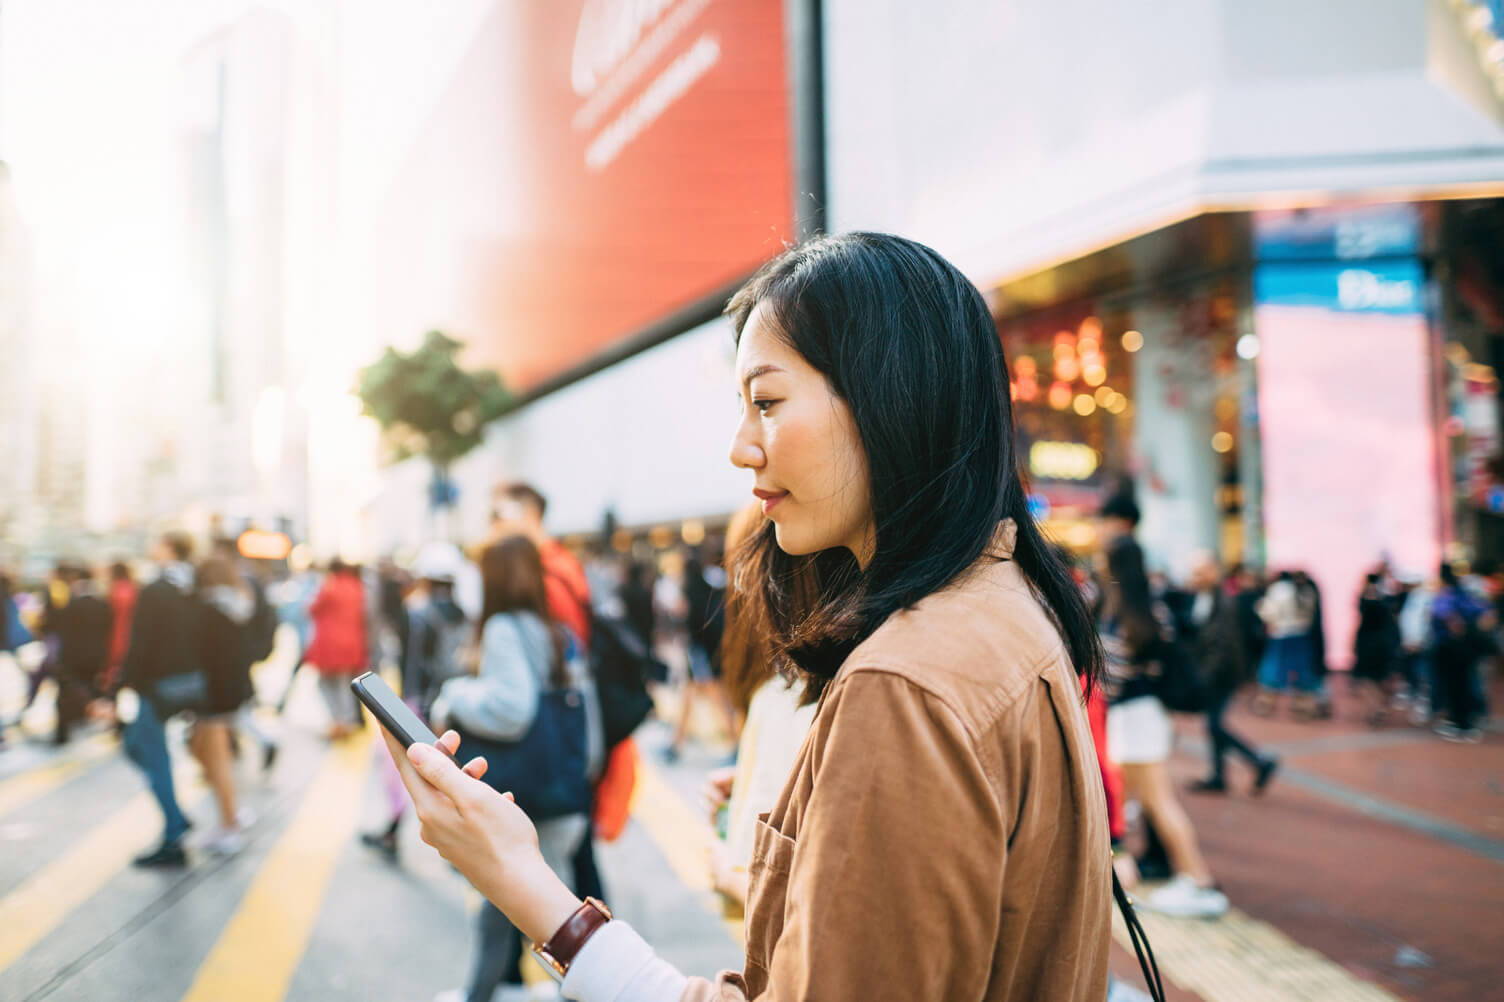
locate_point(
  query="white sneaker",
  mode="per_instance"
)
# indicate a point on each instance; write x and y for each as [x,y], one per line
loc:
[1182,897]
[225,842]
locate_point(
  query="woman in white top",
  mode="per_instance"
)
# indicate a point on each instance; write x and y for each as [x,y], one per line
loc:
[522,652]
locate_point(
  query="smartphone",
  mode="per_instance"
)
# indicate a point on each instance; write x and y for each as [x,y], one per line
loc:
[395,715]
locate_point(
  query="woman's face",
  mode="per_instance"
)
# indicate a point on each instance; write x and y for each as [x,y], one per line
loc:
[800,442]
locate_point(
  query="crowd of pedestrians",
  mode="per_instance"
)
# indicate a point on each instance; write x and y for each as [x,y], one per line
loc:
[896,651]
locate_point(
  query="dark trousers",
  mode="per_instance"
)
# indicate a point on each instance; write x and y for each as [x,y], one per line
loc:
[587,883]
[1461,687]
[1223,740]
[499,954]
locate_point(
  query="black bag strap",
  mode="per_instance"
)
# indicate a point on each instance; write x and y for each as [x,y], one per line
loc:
[1140,940]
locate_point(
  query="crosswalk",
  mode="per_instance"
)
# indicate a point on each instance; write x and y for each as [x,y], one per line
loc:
[307,913]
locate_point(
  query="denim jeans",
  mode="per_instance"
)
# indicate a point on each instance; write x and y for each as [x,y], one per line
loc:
[146,745]
[1288,657]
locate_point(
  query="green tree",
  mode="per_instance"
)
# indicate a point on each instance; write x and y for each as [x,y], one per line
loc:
[428,405]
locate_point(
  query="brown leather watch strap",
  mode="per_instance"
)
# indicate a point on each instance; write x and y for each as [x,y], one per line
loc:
[565,944]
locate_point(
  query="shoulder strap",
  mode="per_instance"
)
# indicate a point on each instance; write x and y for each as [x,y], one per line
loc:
[1140,940]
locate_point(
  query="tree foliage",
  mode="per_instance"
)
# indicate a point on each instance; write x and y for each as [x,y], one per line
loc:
[426,404]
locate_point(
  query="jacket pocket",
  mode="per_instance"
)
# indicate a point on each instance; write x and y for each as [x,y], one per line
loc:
[767,899]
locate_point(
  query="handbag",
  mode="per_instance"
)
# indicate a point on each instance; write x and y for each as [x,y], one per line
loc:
[1179,686]
[547,770]
[182,693]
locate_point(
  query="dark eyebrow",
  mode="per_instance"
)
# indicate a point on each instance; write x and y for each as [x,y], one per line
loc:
[761,370]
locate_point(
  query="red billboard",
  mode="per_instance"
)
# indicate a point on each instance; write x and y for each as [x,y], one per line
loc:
[593,167]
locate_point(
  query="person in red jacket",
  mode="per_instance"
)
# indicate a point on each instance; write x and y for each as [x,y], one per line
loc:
[339,650]
[122,600]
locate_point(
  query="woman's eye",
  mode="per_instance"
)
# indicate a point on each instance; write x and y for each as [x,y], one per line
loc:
[763,405]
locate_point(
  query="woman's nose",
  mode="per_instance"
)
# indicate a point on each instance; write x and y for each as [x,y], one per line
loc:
[746,453]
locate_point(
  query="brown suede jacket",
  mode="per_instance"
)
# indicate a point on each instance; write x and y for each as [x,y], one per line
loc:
[943,835]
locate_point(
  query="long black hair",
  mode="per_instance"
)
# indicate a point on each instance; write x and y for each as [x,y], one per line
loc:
[907,342]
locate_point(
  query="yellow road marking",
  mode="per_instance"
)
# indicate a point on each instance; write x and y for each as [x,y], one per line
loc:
[259,950]
[1237,958]
[42,901]
[28,786]
[682,836]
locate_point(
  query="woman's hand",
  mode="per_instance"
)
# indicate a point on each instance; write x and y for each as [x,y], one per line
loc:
[484,835]
[717,791]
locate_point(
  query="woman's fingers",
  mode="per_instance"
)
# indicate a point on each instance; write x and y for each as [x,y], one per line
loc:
[439,771]
[476,768]
[450,742]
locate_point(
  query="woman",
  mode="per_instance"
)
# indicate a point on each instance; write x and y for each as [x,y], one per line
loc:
[1138,638]
[1376,648]
[226,606]
[776,713]
[948,795]
[340,649]
[523,650]
[1288,612]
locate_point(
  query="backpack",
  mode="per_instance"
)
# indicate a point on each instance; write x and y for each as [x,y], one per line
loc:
[1180,685]
[622,666]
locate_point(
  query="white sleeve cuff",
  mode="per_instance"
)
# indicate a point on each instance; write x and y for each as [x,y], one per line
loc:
[617,965]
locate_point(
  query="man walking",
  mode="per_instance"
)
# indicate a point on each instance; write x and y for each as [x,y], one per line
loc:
[164,645]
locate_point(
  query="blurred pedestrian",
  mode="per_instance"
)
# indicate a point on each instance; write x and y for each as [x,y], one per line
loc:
[943,644]
[1216,643]
[257,637]
[1376,650]
[1417,648]
[1288,613]
[13,632]
[340,649]
[164,648]
[637,601]
[523,651]
[778,714]
[226,608]
[83,635]
[435,634]
[704,622]
[1461,624]
[1137,637]
[520,509]
[54,601]
[294,600]
[122,598]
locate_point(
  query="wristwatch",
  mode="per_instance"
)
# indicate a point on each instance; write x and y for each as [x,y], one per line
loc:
[564,945]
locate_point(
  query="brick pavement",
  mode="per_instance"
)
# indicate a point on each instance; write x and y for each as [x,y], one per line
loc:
[1381,849]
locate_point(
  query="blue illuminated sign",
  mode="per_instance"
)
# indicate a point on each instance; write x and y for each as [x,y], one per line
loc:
[1394,287]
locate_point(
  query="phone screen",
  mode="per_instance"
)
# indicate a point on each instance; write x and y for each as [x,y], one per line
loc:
[395,715]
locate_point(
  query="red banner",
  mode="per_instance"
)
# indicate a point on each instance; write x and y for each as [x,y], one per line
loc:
[593,167]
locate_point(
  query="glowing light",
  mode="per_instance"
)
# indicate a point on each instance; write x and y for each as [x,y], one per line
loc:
[1248,347]
[1067,368]
[1028,389]
[1095,375]
[692,532]
[1025,367]
[1132,341]
[1118,405]
[1085,405]
[1222,442]
[1064,349]
[1060,396]
[257,544]
[1104,395]
[1091,328]
[1088,346]
[1062,460]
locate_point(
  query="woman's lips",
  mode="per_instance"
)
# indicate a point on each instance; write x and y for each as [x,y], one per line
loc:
[769,498]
